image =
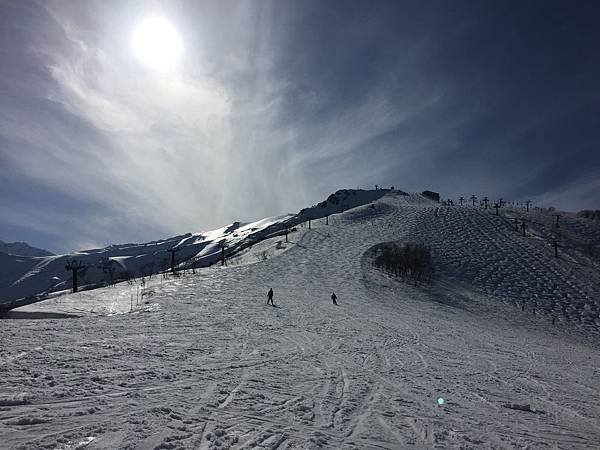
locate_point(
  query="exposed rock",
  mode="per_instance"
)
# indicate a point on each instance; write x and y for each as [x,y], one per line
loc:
[431,195]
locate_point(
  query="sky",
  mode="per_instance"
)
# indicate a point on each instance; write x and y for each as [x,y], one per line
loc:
[273,105]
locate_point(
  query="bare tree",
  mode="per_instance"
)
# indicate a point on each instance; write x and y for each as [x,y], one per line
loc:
[516,223]
[108,269]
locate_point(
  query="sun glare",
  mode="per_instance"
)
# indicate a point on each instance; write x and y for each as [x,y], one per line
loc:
[157,44]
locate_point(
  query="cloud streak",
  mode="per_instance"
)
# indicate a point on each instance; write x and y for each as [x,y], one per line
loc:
[274,106]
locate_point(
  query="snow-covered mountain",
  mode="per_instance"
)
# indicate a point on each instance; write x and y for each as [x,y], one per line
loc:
[38,275]
[22,249]
[500,351]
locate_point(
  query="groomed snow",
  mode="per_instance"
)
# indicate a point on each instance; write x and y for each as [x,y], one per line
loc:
[202,362]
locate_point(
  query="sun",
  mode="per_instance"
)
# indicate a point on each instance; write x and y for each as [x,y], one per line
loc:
[157,44]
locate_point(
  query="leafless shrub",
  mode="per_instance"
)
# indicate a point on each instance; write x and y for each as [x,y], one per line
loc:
[108,269]
[411,262]
[589,214]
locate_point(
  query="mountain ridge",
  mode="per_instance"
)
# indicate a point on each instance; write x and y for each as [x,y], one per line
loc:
[22,249]
[28,276]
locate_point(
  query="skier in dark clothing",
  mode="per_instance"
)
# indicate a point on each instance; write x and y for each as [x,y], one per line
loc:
[270,297]
[334,298]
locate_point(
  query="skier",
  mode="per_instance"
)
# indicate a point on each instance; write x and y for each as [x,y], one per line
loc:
[270,297]
[334,298]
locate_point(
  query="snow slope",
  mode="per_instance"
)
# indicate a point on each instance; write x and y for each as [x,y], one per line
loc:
[28,276]
[202,362]
[484,250]
[33,278]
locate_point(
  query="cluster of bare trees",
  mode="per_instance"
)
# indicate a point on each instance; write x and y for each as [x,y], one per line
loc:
[108,268]
[411,262]
[589,214]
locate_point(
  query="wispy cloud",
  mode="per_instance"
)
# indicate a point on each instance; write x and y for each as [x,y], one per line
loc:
[274,105]
[182,150]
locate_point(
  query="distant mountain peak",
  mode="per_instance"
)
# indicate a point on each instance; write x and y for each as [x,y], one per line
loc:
[22,249]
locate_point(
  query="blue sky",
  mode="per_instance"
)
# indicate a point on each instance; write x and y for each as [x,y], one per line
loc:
[273,105]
